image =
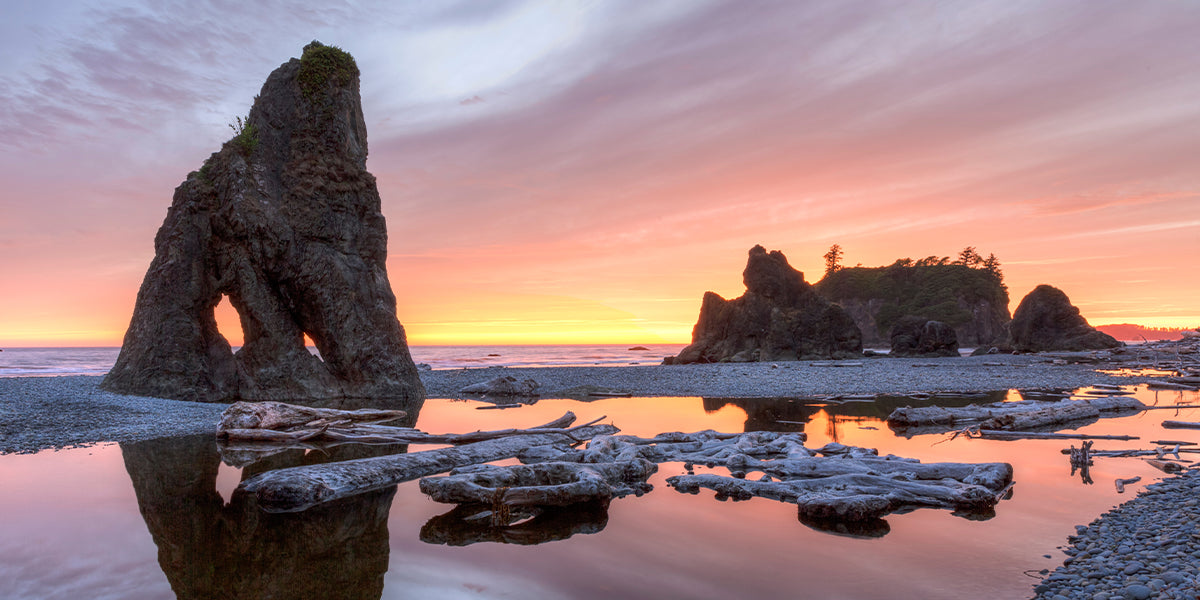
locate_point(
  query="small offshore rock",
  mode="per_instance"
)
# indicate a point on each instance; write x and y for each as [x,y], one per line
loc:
[1046,320]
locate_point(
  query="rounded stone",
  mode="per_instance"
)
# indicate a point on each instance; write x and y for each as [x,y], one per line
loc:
[1138,592]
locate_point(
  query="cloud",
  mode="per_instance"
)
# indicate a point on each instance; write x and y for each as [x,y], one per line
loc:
[563,149]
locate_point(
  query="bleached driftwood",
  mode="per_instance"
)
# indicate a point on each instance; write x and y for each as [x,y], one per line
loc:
[1023,415]
[1041,435]
[279,423]
[710,448]
[851,496]
[504,385]
[279,416]
[542,484]
[1081,461]
[829,484]
[832,482]
[990,475]
[1169,385]
[1121,483]
[298,488]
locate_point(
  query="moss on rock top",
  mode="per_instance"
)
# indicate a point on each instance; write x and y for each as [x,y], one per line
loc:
[321,63]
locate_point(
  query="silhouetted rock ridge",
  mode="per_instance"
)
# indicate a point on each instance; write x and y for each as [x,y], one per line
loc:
[780,317]
[284,220]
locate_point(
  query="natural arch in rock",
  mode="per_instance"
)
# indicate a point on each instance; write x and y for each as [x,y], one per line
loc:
[284,220]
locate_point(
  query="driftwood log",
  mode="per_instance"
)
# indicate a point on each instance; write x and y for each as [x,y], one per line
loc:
[1039,435]
[1170,385]
[1081,461]
[1011,416]
[287,417]
[1181,425]
[275,422]
[542,484]
[504,385]
[831,483]
[852,496]
[1159,453]
[298,488]
[709,448]
[1121,483]
[834,483]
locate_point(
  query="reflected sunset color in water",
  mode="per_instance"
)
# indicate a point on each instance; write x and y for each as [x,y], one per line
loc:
[66,512]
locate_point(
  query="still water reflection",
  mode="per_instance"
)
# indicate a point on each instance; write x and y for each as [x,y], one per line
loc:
[71,526]
[210,549]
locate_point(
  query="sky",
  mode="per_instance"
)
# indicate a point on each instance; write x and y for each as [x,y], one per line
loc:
[582,172]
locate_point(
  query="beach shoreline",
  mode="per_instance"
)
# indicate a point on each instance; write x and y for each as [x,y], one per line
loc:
[42,413]
[58,412]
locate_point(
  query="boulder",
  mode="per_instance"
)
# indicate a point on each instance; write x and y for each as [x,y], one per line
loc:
[285,221]
[917,337]
[1046,320]
[780,317]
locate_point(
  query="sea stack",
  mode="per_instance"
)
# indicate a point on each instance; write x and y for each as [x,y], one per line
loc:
[780,317]
[284,220]
[1046,320]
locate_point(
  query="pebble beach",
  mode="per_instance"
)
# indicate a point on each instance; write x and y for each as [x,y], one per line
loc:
[38,413]
[1148,547]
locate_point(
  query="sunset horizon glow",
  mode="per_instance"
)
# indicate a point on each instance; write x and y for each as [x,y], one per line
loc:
[582,174]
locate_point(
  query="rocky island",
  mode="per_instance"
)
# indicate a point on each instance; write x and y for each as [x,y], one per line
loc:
[972,300]
[780,317]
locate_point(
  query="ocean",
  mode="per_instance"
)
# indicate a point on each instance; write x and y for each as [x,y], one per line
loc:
[53,362]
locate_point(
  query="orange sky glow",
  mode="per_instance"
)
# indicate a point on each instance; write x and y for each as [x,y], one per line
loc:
[570,173]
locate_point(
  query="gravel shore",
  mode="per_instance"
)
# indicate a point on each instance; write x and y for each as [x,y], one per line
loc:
[796,379]
[1148,547]
[37,413]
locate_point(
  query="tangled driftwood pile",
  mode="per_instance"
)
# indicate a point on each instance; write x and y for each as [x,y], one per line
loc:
[589,464]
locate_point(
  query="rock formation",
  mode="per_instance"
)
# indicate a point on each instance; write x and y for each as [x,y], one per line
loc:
[284,220]
[914,336]
[972,301]
[1046,320]
[780,317]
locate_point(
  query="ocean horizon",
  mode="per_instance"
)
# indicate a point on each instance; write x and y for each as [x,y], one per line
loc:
[64,361]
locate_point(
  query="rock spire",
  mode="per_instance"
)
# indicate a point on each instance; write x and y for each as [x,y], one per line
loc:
[780,317]
[284,220]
